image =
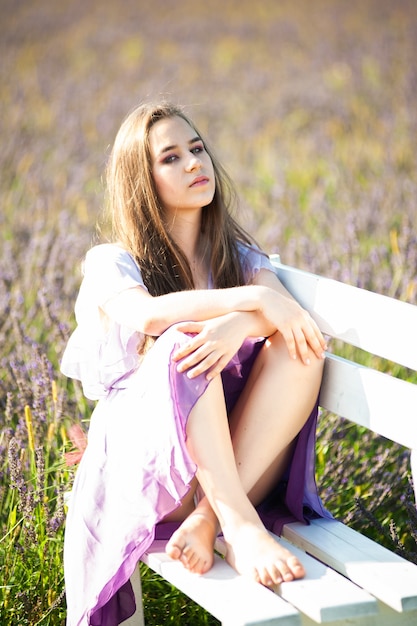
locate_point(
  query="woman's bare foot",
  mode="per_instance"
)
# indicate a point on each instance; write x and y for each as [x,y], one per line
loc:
[253,552]
[193,542]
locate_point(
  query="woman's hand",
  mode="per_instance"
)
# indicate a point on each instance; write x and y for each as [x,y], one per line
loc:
[212,344]
[299,330]
[285,315]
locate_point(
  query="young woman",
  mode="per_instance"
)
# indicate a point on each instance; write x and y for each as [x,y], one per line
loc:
[207,373]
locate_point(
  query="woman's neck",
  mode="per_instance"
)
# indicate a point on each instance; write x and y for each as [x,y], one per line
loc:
[187,235]
[186,232]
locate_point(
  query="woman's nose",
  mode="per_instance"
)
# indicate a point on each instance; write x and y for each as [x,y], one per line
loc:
[194,163]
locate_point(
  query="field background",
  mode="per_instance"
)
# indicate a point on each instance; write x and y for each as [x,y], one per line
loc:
[310,105]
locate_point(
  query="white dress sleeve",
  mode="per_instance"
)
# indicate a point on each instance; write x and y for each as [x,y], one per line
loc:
[253,260]
[100,355]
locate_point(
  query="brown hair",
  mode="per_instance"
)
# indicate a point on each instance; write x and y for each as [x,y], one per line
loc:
[137,212]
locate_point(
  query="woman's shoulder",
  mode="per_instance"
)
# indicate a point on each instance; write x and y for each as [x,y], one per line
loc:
[253,259]
[109,254]
[251,251]
[111,265]
[107,250]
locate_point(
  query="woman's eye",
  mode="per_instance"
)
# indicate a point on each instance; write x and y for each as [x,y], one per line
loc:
[197,149]
[170,158]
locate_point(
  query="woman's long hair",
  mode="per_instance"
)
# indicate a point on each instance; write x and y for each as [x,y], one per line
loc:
[137,213]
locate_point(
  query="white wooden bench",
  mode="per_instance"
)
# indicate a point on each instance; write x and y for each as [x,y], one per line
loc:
[350,579]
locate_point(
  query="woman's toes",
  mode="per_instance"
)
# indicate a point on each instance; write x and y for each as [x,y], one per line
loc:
[296,567]
[174,551]
[189,558]
[267,580]
[274,564]
[279,572]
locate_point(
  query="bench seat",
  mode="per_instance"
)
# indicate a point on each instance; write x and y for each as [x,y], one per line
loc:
[235,600]
[381,597]
[387,576]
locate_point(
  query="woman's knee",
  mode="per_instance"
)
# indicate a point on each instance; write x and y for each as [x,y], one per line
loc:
[275,354]
[274,349]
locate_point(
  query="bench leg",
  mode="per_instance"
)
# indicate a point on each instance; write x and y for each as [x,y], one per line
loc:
[137,619]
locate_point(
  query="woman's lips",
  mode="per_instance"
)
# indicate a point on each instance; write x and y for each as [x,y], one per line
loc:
[200,180]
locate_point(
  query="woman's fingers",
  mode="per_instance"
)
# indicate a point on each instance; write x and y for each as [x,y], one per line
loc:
[212,365]
[197,355]
[200,360]
[302,346]
[289,339]
[302,338]
[316,340]
[208,349]
[192,329]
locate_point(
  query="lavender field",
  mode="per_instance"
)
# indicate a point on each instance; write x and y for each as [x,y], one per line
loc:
[311,107]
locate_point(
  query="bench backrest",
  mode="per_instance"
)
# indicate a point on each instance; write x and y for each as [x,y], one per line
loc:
[380,325]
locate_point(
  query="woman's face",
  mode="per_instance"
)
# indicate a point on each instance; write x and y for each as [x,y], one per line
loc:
[182,169]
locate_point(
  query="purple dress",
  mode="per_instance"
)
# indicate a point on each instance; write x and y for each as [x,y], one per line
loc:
[136,468]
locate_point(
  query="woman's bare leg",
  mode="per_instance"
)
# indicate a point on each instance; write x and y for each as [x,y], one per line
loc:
[186,507]
[262,436]
[250,549]
[272,409]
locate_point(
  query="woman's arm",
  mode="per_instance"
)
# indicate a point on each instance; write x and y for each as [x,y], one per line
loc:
[150,315]
[214,341]
[269,304]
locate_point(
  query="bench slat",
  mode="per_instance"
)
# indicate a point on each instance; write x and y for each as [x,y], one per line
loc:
[370,398]
[322,595]
[357,316]
[232,599]
[387,576]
